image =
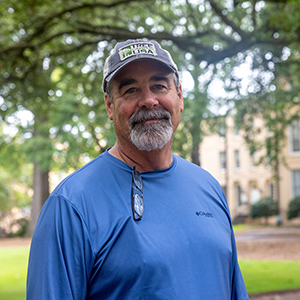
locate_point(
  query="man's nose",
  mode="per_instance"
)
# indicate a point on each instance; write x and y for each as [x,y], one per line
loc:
[148,99]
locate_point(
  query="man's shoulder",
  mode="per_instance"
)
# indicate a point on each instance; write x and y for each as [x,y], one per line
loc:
[184,163]
[194,170]
[87,169]
[95,171]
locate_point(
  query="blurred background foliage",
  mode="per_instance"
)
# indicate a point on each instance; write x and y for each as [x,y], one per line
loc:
[264,208]
[230,53]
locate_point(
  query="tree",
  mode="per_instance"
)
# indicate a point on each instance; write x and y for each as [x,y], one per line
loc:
[14,179]
[51,64]
[277,103]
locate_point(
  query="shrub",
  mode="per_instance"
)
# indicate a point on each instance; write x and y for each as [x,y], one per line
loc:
[294,208]
[20,227]
[265,207]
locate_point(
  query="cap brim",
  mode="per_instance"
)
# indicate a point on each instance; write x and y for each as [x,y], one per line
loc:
[140,57]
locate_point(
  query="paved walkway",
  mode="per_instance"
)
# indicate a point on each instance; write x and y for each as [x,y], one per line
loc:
[295,295]
[287,234]
[271,244]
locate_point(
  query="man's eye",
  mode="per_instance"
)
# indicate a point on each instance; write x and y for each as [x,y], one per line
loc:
[158,87]
[130,91]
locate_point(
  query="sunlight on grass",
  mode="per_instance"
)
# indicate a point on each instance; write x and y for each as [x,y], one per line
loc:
[265,276]
[240,227]
[13,262]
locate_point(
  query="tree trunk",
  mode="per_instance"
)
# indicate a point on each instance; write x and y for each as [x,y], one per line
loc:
[195,154]
[196,141]
[278,187]
[41,193]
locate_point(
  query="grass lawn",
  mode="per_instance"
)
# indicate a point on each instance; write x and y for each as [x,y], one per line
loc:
[259,276]
[266,276]
[240,227]
[13,269]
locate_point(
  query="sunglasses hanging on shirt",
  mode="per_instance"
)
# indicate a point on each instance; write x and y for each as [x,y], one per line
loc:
[137,199]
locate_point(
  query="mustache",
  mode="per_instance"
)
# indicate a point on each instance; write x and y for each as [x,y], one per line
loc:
[145,114]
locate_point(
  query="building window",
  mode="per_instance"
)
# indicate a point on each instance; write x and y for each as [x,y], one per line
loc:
[223,160]
[237,159]
[255,193]
[296,183]
[239,195]
[295,136]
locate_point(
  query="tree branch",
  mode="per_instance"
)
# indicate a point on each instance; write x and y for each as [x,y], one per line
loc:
[225,19]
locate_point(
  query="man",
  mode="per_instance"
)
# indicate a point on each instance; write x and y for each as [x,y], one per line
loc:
[137,222]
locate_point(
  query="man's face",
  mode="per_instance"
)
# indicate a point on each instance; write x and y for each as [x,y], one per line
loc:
[146,106]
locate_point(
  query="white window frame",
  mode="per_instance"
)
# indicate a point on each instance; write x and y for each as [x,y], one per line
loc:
[223,162]
[295,176]
[294,137]
[238,193]
[237,160]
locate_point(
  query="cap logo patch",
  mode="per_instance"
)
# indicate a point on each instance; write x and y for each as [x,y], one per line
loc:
[136,49]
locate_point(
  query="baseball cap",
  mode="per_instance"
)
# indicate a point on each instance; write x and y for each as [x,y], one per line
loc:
[132,50]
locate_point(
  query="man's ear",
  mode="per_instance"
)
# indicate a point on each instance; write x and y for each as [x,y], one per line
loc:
[109,106]
[180,97]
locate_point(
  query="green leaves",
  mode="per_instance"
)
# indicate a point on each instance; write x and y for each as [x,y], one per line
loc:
[294,208]
[264,208]
[52,57]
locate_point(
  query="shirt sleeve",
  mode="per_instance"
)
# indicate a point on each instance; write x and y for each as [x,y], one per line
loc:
[239,291]
[61,256]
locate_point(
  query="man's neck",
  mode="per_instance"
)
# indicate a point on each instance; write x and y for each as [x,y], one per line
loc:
[144,160]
